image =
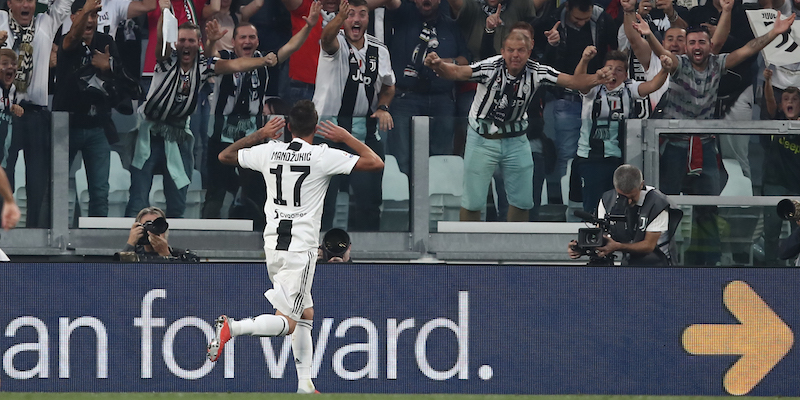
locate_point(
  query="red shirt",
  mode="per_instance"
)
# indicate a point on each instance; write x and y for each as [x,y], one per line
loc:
[152,23]
[303,63]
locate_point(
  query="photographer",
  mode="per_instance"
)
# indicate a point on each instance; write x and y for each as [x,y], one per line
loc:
[637,221]
[335,247]
[148,238]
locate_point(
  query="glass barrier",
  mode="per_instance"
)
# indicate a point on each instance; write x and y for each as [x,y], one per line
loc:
[362,201]
[732,235]
[757,171]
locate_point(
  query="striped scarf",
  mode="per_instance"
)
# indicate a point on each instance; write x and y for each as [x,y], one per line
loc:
[176,96]
[23,47]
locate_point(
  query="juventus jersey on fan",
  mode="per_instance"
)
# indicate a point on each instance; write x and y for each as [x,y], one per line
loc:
[373,70]
[297,176]
[502,97]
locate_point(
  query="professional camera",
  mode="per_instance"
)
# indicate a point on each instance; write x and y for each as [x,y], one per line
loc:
[335,243]
[589,239]
[789,210]
[156,226]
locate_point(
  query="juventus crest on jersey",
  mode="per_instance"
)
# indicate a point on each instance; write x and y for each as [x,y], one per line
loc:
[349,81]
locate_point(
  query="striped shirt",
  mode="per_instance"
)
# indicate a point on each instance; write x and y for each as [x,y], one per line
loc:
[173,93]
[692,94]
[504,98]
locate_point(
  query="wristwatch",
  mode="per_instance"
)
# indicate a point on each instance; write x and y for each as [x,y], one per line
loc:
[383,107]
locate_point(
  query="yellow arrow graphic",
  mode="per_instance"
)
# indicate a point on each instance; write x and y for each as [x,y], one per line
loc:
[762,338]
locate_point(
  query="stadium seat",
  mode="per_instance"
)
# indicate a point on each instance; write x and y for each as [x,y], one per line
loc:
[395,207]
[445,187]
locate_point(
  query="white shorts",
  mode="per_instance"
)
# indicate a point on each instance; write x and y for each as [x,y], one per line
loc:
[291,273]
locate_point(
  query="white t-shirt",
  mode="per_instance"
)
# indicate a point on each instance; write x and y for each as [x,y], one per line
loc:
[297,176]
[108,18]
[333,72]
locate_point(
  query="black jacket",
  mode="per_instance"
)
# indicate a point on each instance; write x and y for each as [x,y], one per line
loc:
[604,31]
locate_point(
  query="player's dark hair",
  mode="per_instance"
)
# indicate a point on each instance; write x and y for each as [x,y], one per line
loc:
[303,118]
[617,55]
[788,90]
[357,3]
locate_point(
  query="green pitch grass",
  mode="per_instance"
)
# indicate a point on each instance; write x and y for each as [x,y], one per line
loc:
[337,396]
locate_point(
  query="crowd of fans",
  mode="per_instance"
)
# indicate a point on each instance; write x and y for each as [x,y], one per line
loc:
[369,65]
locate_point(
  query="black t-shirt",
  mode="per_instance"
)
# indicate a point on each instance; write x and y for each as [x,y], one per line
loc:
[782,162]
[576,41]
[81,88]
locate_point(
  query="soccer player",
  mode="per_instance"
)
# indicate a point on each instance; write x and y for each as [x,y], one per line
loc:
[297,176]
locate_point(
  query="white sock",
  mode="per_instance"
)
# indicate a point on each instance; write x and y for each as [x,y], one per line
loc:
[303,350]
[263,325]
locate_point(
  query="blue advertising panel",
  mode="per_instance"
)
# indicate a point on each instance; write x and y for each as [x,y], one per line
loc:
[407,329]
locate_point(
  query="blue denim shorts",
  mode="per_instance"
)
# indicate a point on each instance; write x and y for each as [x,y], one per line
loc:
[482,156]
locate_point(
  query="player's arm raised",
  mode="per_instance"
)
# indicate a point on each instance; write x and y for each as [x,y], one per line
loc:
[271,130]
[368,160]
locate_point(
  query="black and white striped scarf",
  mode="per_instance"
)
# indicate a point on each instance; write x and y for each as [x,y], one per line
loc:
[23,47]
[176,97]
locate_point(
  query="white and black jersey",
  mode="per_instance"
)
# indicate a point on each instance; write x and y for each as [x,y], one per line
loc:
[349,80]
[297,176]
[108,17]
[240,95]
[504,98]
[173,93]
